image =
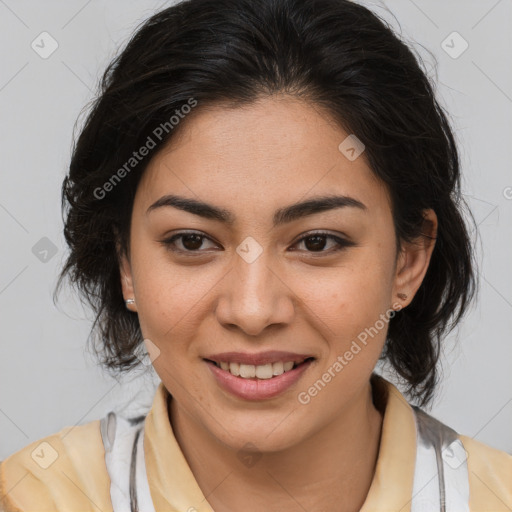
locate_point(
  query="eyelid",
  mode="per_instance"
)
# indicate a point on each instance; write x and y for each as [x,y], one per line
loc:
[341,240]
[167,242]
[322,232]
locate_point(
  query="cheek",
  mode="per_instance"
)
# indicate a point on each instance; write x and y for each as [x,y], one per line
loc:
[172,300]
[348,301]
[361,284]
[164,293]
[166,304]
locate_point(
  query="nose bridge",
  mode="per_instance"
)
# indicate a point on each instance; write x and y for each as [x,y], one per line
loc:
[252,285]
[252,268]
[254,296]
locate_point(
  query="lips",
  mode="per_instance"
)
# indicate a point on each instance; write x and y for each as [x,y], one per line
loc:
[258,376]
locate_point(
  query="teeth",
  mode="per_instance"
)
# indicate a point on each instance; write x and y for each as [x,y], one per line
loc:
[264,371]
[278,368]
[234,368]
[288,366]
[247,371]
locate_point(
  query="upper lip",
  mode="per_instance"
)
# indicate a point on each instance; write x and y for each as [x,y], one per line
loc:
[261,358]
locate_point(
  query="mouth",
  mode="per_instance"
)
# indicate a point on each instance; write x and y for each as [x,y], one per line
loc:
[258,377]
[262,372]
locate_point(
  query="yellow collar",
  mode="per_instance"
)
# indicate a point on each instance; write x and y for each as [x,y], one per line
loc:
[173,485]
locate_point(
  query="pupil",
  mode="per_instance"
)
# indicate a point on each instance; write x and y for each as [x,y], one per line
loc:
[316,245]
[196,241]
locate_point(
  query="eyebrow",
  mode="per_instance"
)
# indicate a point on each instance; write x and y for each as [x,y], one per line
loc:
[281,216]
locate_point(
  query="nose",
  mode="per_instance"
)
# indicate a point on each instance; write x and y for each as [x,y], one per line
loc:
[254,296]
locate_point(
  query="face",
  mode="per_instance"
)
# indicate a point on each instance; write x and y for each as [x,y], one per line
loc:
[251,283]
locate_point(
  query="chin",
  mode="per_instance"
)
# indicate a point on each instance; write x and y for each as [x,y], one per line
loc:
[257,431]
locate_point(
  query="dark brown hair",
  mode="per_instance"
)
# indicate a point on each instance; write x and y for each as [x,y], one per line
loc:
[333,53]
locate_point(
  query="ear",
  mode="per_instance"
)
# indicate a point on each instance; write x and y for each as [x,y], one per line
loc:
[413,261]
[125,271]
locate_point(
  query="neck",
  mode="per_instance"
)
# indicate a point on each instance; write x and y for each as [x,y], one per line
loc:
[332,469]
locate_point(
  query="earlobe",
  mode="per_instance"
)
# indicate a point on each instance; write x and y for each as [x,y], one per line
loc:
[413,261]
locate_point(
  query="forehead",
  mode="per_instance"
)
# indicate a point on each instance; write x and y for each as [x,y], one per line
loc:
[267,153]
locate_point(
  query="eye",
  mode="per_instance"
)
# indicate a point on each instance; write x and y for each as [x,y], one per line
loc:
[316,242]
[189,242]
[192,242]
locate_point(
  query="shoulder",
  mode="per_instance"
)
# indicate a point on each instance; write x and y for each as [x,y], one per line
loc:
[63,469]
[488,470]
[490,476]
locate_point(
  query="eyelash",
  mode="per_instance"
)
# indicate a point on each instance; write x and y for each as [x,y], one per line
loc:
[341,243]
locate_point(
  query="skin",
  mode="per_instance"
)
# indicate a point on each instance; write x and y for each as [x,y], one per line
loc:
[296,296]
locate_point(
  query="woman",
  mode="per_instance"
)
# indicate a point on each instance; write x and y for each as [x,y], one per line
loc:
[266,193]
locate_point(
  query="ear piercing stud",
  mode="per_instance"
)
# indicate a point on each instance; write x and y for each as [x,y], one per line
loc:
[401,296]
[129,301]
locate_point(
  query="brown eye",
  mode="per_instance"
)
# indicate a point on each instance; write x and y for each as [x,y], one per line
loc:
[186,242]
[317,242]
[192,242]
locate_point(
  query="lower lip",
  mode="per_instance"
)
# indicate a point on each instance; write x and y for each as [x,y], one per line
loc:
[257,389]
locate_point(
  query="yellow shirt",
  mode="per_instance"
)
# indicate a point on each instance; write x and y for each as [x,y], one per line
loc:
[77,478]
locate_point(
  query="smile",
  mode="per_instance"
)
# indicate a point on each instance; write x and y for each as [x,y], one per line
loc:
[258,382]
[265,371]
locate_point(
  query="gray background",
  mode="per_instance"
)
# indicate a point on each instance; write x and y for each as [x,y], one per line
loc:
[48,380]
